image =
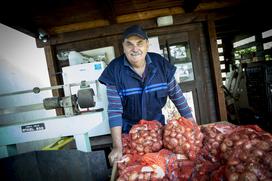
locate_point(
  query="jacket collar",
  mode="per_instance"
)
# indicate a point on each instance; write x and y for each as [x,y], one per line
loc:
[151,68]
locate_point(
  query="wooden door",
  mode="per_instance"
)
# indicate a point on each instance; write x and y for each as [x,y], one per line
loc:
[182,47]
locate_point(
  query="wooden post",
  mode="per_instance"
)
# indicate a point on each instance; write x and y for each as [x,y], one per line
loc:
[52,70]
[220,97]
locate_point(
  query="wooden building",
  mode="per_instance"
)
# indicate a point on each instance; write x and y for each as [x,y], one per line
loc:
[66,25]
[216,36]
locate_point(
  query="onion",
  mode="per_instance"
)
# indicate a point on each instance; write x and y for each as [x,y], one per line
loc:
[219,137]
[235,137]
[167,132]
[140,140]
[263,145]
[247,145]
[134,136]
[243,156]
[223,147]
[240,168]
[215,144]
[240,142]
[233,161]
[173,134]
[214,152]
[212,134]
[268,160]
[244,136]
[233,176]
[156,146]
[228,142]
[141,176]
[248,176]
[258,153]
[133,176]
[139,148]
[147,176]
[174,142]
[179,135]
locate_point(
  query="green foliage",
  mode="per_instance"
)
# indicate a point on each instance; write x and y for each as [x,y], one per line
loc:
[245,53]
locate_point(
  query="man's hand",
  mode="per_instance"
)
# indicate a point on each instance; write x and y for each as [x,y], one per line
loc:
[115,155]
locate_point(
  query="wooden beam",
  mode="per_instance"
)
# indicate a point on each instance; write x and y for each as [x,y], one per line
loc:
[220,97]
[149,14]
[139,16]
[106,8]
[52,70]
[216,5]
[79,26]
[190,5]
[107,30]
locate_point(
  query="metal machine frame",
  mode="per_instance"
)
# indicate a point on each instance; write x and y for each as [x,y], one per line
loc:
[71,124]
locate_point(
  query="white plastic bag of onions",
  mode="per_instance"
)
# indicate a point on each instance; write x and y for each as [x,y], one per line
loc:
[146,137]
[183,136]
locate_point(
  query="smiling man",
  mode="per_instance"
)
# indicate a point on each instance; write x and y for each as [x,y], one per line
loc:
[138,84]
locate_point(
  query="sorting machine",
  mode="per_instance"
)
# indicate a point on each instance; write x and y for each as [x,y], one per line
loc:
[84,104]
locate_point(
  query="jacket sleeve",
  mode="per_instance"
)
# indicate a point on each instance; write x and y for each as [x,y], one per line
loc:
[177,97]
[115,108]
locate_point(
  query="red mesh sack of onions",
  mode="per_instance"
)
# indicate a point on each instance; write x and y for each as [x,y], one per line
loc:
[146,137]
[183,137]
[203,168]
[214,135]
[151,167]
[247,152]
[179,168]
[126,161]
[126,143]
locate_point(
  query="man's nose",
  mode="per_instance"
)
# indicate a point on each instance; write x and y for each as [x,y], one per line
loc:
[135,48]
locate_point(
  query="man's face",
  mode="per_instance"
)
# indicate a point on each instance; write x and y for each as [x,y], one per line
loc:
[135,49]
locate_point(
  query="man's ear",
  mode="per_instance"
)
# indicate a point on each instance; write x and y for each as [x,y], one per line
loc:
[123,46]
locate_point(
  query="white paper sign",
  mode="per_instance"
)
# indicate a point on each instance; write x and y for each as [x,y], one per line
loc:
[154,45]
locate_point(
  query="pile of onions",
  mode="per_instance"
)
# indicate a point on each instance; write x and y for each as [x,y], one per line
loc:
[214,134]
[247,154]
[146,137]
[126,144]
[183,136]
[151,166]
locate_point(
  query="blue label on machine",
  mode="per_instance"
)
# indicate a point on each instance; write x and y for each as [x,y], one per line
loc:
[97,66]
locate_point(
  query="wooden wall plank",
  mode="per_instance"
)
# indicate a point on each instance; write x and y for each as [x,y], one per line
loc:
[216,71]
[149,14]
[79,26]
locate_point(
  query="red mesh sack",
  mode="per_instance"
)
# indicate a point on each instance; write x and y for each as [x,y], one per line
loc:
[203,168]
[151,166]
[146,137]
[183,136]
[247,153]
[214,135]
[128,160]
[126,144]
